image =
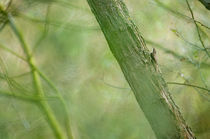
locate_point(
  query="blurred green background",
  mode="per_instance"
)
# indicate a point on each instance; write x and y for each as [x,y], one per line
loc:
[71,50]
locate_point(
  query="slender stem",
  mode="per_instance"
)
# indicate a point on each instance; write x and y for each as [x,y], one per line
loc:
[186,41]
[55,23]
[60,97]
[45,32]
[12,52]
[21,75]
[197,28]
[25,97]
[195,86]
[179,14]
[37,83]
[69,5]
[114,86]
[176,55]
[14,83]
[21,97]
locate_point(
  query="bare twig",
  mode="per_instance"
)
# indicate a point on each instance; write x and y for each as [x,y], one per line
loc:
[186,41]
[12,52]
[45,32]
[179,14]
[58,24]
[197,28]
[176,55]
[202,88]
[18,96]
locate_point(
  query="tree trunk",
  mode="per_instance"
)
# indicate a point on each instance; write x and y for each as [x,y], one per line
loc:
[140,69]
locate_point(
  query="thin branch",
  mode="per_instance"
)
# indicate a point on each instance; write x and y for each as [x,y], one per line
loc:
[60,97]
[203,95]
[12,52]
[2,26]
[197,28]
[114,86]
[185,84]
[26,97]
[202,79]
[9,4]
[14,83]
[17,96]
[45,31]
[186,41]
[21,75]
[51,84]
[58,24]
[162,5]
[55,126]
[176,55]
[70,5]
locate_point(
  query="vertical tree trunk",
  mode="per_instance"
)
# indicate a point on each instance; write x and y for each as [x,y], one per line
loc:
[140,69]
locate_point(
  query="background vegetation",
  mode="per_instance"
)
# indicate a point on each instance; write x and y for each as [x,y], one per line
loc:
[71,51]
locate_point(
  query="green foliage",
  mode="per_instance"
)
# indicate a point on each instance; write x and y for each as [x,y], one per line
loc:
[71,51]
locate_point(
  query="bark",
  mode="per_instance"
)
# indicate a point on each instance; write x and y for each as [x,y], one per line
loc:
[140,70]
